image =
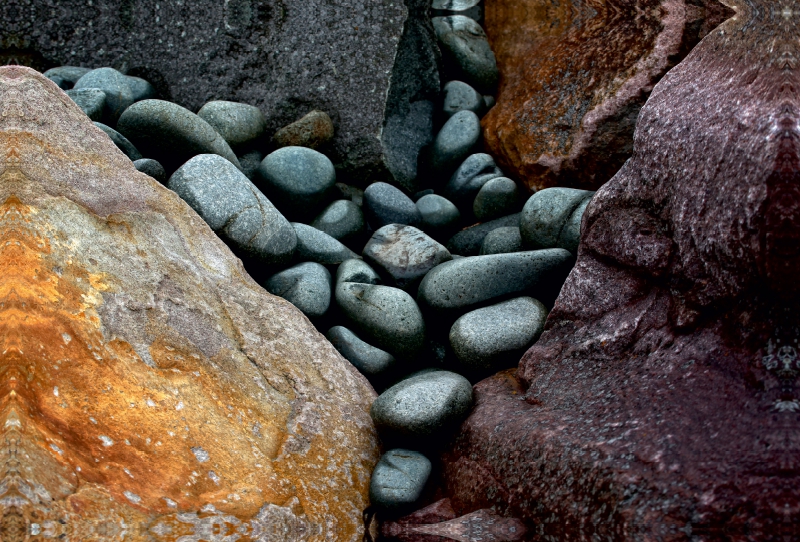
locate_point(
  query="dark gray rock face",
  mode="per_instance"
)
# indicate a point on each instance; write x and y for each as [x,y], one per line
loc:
[404,254]
[314,245]
[370,361]
[306,285]
[468,241]
[115,85]
[399,478]
[92,101]
[552,218]
[120,141]
[287,58]
[151,167]
[384,204]
[238,123]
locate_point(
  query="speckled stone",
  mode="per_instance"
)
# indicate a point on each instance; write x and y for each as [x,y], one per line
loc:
[372,362]
[121,142]
[466,49]
[551,218]
[356,270]
[306,285]
[314,245]
[502,241]
[459,96]
[92,101]
[498,197]
[238,123]
[399,478]
[68,74]
[151,167]
[404,254]
[474,172]
[141,89]
[468,241]
[455,141]
[440,217]
[384,204]
[343,220]
[115,86]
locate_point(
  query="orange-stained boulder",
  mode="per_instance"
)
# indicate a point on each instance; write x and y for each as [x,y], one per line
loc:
[149,388]
[573,76]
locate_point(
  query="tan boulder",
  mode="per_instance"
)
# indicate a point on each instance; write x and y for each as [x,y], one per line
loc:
[151,390]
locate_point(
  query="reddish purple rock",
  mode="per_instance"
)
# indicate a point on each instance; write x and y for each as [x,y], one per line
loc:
[662,402]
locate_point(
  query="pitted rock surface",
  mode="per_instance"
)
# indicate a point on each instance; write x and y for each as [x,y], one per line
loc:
[151,390]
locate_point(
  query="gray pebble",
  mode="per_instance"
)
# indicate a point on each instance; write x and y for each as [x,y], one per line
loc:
[92,101]
[465,46]
[464,283]
[314,245]
[498,197]
[118,93]
[384,204]
[387,317]
[370,361]
[140,88]
[404,254]
[489,101]
[356,270]
[121,142]
[454,5]
[151,167]
[468,241]
[547,212]
[238,123]
[423,405]
[306,285]
[469,178]
[399,478]
[440,216]
[68,74]
[250,162]
[459,96]
[570,236]
[298,179]
[171,134]
[502,241]
[455,141]
[234,208]
[61,83]
[495,337]
[343,220]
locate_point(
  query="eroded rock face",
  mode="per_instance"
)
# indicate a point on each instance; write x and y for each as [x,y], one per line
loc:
[574,76]
[662,401]
[150,389]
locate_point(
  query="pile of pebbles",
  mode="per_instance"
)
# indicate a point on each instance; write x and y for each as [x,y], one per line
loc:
[423,293]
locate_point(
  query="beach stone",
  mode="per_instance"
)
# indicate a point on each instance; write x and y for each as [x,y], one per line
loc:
[343,220]
[466,51]
[314,245]
[399,478]
[155,328]
[250,162]
[171,134]
[384,204]
[455,141]
[468,241]
[313,131]
[423,405]
[495,337]
[502,241]
[115,86]
[234,208]
[306,285]
[92,101]
[140,88]
[68,74]
[498,197]
[370,361]
[387,317]
[459,96]
[464,283]
[298,179]
[356,270]
[238,123]
[440,216]
[353,193]
[454,5]
[545,215]
[469,178]
[404,254]
[121,142]
[151,167]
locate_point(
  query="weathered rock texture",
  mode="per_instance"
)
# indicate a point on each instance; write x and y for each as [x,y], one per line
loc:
[662,401]
[150,389]
[364,62]
[574,76]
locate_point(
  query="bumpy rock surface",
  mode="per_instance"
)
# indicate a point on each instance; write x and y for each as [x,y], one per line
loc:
[150,387]
[574,77]
[663,395]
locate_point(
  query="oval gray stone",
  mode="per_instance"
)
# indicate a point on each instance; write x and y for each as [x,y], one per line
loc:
[171,134]
[115,85]
[92,101]
[151,167]
[343,220]
[546,214]
[298,179]
[495,337]
[141,89]
[570,236]
[466,282]
[387,317]
[69,74]
[314,245]
[370,361]
[502,241]
[120,141]
[234,208]
[465,45]
[454,5]
[423,405]
[477,170]
[384,204]
[306,285]
[439,215]
[404,254]
[468,241]
[399,478]
[455,141]
[236,122]
[356,270]
[498,197]
[459,96]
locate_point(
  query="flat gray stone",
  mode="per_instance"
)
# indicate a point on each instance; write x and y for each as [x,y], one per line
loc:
[314,245]
[234,208]
[306,285]
[455,141]
[141,89]
[151,167]
[115,85]
[343,220]
[387,317]
[423,405]
[372,362]
[399,478]
[465,46]
[495,337]
[403,254]
[468,241]
[469,178]
[356,270]
[502,241]
[238,123]
[498,197]
[464,283]
[546,214]
[120,141]
[171,134]
[92,101]
[440,217]
[68,74]
[384,204]
[459,96]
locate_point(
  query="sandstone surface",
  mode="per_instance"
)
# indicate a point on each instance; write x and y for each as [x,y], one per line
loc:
[151,390]
[662,400]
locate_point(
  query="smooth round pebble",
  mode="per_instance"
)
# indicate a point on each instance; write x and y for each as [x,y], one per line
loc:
[399,478]
[497,197]
[120,141]
[118,93]
[298,180]
[474,172]
[312,131]
[468,241]
[439,215]
[502,241]
[372,362]
[455,141]
[423,405]
[570,236]
[92,101]
[495,337]
[238,123]
[141,89]
[343,220]
[356,270]
[314,245]
[384,204]
[306,285]
[546,213]
[151,167]
[404,254]
[454,5]
[465,46]
[459,96]
[68,74]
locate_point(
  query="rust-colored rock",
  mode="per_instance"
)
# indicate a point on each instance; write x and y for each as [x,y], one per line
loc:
[574,75]
[312,131]
[150,389]
[663,402]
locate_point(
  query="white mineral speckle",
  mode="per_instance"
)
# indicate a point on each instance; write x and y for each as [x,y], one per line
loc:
[201,455]
[213,476]
[55,391]
[106,441]
[133,497]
